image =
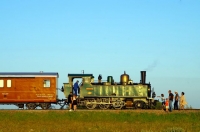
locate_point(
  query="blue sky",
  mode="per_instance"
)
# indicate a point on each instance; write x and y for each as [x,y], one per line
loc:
[105,37]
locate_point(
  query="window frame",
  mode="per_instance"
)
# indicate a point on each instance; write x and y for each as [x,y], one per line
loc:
[46,83]
[10,83]
[1,83]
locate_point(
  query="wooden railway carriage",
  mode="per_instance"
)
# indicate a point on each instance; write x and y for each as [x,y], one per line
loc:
[124,94]
[28,88]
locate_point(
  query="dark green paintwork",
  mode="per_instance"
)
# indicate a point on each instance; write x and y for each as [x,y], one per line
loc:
[105,89]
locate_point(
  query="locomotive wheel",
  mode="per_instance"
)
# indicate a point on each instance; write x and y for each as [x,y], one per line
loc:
[104,106]
[90,104]
[118,104]
[45,106]
[31,106]
[139,104]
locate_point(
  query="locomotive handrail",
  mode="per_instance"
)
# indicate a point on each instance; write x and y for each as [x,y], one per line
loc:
[61,89]
[96,81]
[80,84]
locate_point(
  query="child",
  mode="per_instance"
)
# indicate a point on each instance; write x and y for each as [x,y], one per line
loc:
[167,104]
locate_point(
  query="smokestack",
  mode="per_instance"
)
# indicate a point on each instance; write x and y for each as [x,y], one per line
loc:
[143,77]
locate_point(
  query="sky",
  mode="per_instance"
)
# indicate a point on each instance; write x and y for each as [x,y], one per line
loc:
[105,37]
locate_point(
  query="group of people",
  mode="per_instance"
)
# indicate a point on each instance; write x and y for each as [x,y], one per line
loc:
[179,101]
[72,97]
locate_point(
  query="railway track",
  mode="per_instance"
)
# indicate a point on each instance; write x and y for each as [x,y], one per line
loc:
[97,110]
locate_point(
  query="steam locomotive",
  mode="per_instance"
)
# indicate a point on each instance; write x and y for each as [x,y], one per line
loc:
[33,90]
[110,94]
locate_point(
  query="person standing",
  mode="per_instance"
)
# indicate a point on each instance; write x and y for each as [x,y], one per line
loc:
[182,101]
[171,96]
[74,102]
[69,99]
[176,101]
[162,100]
[76,87]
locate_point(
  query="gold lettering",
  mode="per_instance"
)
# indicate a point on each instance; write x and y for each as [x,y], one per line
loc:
[89,89]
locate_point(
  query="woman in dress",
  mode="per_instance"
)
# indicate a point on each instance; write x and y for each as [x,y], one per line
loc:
[182,101]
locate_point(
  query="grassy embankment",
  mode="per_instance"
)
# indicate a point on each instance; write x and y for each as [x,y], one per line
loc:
[95,121]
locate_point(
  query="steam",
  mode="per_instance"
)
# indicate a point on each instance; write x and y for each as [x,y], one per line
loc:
[151,66]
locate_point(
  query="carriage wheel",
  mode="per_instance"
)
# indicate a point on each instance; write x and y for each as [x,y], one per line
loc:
[31,106]
[45,106]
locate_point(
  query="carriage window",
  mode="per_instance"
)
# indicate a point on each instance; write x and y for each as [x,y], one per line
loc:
[8,83]
[1,83]
[46,83]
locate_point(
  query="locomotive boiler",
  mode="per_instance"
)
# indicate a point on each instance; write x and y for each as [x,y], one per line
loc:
[110,94]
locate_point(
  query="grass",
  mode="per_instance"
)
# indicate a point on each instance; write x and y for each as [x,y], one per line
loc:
[95,121]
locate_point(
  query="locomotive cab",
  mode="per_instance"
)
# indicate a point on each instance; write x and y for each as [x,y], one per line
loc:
[84,79]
